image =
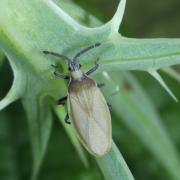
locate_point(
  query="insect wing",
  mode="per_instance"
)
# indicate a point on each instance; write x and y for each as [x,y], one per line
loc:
[90,116]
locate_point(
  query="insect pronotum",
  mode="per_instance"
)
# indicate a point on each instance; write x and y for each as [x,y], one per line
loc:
[87,107]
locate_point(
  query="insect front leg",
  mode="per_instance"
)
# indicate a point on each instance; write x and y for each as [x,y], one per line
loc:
[93,69]
[67,120]
[62,101]
[100,85]
[62,76]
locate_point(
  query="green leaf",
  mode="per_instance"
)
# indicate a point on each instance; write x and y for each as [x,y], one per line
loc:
[72,135]
[1,57]
[17,88]
[172,72]
[29,27]
[113,165]
[116,20]
[156,75]
[23,39]
[116,52]
[8,163]
[39,122]
[130,102]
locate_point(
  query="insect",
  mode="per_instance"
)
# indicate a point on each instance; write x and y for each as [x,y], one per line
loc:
[87,107]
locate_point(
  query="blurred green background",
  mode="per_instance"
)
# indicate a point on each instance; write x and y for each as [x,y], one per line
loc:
[143,19]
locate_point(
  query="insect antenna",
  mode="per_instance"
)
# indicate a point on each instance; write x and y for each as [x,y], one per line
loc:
[85,50]
[57,55]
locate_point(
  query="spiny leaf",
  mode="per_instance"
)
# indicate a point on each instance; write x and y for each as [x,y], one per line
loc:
[17,89]
[113,165]
[131,104]
[172,72]
[115,53]
[39,123]
[40,25]
[156,75]
[117,18]
[72,135]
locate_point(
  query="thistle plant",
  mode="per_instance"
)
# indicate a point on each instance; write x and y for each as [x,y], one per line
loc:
[27,28]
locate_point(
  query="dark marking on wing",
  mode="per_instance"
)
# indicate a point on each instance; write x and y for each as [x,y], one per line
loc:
[76,86]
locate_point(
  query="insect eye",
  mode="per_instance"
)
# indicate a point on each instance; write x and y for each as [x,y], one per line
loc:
[80,65]
[69,68]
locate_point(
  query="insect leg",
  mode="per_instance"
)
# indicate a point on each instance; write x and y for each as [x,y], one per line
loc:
[92,69]
[100,85]
[67,120]
[85,50]
[109,106]
[57,54]
[62,76]
[62,101]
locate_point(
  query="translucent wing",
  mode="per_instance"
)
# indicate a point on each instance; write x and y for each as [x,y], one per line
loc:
[90,116]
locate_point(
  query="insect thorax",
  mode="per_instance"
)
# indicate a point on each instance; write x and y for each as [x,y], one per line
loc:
[82,83]
[77,75]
